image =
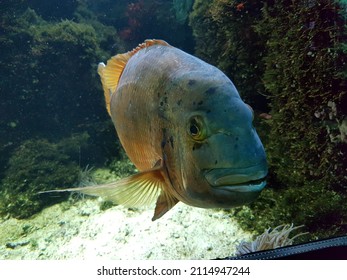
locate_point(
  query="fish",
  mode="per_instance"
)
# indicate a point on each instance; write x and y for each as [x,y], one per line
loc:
[183,124]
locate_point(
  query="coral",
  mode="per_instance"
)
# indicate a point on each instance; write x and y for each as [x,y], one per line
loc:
[136,13]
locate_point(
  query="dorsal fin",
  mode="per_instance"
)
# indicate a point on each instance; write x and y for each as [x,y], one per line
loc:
[111,72]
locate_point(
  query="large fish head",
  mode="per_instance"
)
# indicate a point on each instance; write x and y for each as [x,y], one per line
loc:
[220,161]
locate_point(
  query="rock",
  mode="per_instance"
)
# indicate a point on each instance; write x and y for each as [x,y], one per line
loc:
[14,245]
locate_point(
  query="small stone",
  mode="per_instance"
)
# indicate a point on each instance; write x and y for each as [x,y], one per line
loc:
[13,245]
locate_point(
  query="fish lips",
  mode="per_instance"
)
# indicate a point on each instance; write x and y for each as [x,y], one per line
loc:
[250,179]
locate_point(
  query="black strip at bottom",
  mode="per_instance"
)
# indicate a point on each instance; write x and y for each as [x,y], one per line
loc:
[326,249]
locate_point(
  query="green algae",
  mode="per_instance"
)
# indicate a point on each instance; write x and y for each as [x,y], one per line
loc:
[294,54]
[52,103]
[37,165]
[226,37]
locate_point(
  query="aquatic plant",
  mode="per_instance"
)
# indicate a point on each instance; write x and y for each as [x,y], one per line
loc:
[121,166]
[40,64]
[54,9]
[226,37]
[36,165]
[323,212]
[307,96]
[49,85]
[300,65]
[182,9]
[143,19]
[306,149]
[206,32]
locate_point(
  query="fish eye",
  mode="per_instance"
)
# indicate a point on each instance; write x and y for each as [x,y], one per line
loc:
[196,128]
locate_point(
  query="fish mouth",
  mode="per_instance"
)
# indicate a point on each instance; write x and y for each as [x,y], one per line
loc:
[250,186]
[251,179]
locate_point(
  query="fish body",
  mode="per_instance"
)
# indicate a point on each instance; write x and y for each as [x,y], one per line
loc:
[184,126]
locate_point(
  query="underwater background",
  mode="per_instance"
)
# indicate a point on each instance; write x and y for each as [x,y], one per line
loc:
[286,58]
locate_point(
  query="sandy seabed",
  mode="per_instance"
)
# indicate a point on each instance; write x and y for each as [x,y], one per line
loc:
[81,231]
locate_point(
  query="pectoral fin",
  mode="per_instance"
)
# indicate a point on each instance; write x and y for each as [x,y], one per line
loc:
[141,189]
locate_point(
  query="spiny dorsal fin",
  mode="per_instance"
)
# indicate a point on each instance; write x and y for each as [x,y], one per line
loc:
[110,73]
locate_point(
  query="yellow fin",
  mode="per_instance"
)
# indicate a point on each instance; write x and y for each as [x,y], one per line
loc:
[111,73]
